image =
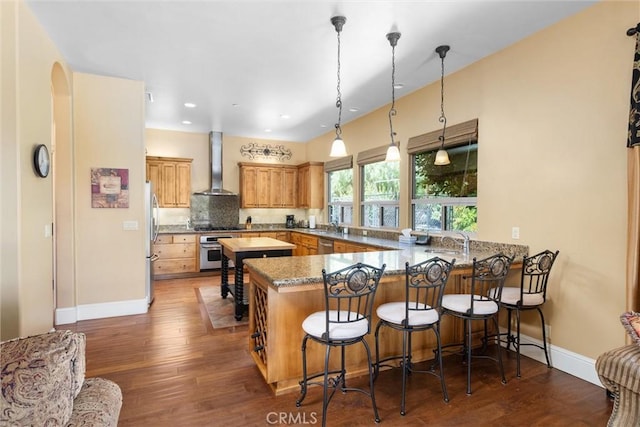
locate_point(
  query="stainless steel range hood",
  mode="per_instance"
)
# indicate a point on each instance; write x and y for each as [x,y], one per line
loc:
[215,160]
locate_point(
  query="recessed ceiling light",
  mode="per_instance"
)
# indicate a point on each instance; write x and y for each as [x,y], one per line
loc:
[267,130]
[235,105]
[190,105]
[398,85]
[285,116]
[354,109]
[323,126]
[186,122]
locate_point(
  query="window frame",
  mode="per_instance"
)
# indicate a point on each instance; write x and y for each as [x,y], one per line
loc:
[458,135]
[343,163]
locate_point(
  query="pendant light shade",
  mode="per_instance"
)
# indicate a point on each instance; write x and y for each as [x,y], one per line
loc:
[338,148]
[393,152]
[442,157]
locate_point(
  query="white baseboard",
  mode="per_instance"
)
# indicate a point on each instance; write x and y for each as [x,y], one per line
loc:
[64,316]
[564,360]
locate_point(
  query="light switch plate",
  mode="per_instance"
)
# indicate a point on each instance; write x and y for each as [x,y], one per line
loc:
[130,225]
[515,232]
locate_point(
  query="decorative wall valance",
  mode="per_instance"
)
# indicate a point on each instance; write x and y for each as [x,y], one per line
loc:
[455,135]
[339,164]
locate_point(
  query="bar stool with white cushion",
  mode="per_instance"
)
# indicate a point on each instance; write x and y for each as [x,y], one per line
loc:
[530,295]
[346,320]
[479,304]
[420,311]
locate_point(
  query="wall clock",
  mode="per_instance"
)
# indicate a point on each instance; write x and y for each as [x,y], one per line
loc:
[41,160]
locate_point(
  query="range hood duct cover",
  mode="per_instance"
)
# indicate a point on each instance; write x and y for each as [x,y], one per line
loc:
[215,160]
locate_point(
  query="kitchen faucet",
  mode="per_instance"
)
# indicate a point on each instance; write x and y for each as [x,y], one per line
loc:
[335,226]
[465,244]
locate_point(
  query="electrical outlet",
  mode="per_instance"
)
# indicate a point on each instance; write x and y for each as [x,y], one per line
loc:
[515,232]
[130,225]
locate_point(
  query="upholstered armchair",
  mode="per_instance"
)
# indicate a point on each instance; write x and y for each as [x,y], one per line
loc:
[43,384]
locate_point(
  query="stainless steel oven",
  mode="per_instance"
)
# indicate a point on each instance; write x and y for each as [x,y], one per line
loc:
[211,252]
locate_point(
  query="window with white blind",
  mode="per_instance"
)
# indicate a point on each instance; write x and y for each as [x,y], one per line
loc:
[340,185]
[444,198]
[380,189]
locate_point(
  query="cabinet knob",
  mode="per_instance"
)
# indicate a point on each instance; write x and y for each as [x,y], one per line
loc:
[258,348]
[255,335]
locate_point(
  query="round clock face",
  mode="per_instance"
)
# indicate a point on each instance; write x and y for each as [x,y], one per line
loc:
[41,160]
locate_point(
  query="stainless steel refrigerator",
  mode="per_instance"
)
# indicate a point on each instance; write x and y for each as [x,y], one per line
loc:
[151,234]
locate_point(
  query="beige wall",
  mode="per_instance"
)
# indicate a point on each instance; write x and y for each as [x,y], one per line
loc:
[26,273]
[552,113]
[109,133]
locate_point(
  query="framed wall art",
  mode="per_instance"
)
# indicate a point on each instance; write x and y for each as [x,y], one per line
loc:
[109,188]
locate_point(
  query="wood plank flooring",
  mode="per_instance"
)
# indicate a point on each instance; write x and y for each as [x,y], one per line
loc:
[176,370]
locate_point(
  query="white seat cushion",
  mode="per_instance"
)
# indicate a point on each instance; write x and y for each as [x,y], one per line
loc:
[315,325]
[511,295]
[393,312]
[461,303]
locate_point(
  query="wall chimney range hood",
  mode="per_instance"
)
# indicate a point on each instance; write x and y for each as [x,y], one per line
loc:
[215,162]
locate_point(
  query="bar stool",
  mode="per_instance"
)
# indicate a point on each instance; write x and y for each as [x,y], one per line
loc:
[531,295]
[346,320]
[479,304]
[420,311]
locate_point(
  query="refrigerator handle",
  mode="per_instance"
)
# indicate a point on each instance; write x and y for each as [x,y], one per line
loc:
[156,211]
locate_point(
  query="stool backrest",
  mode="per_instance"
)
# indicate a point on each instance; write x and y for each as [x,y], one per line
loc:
[488,276]
[425,284]
[535,273]
[349,293]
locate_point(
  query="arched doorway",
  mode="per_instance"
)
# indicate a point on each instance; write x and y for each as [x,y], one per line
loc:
[63,196]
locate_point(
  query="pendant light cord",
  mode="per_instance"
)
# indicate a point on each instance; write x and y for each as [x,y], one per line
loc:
[339,96]
[443,118]
[392,111]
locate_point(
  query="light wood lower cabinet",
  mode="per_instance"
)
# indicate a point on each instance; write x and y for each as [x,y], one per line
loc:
[177,253]
[305,245]
[341,247]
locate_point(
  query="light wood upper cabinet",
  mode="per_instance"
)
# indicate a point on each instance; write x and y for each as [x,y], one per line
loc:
[267,186]
[171,179]
[311,185]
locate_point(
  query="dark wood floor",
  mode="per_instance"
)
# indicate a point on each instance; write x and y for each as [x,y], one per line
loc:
[175,370]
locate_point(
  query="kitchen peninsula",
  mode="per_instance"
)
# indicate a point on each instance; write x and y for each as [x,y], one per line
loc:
[283,293]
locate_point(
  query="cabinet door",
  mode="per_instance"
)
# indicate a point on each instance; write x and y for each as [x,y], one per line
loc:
[153,175]
[263,187]
[276,179]
[248,187]
[303,187]
[168,178]
[289,188]
[183,185]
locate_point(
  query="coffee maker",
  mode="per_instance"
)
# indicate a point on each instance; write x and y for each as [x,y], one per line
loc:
[290,221]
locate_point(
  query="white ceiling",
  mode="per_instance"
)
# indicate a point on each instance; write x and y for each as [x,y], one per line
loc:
[247,63]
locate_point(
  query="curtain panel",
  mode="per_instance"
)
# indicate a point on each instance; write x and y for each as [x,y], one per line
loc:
[633,182]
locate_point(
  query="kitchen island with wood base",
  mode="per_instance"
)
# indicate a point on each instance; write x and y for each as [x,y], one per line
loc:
[284,291]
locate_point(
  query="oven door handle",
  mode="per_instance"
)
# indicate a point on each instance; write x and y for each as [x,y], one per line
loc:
[210,247]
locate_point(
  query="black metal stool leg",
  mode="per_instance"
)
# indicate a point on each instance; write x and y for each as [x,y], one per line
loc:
[544,337]
[371,389]
[303,383]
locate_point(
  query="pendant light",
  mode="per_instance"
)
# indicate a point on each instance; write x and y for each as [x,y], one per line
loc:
[337,148]
[442,157]
[393,152]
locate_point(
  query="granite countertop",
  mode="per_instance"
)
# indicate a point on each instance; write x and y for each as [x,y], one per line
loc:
[306,270]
